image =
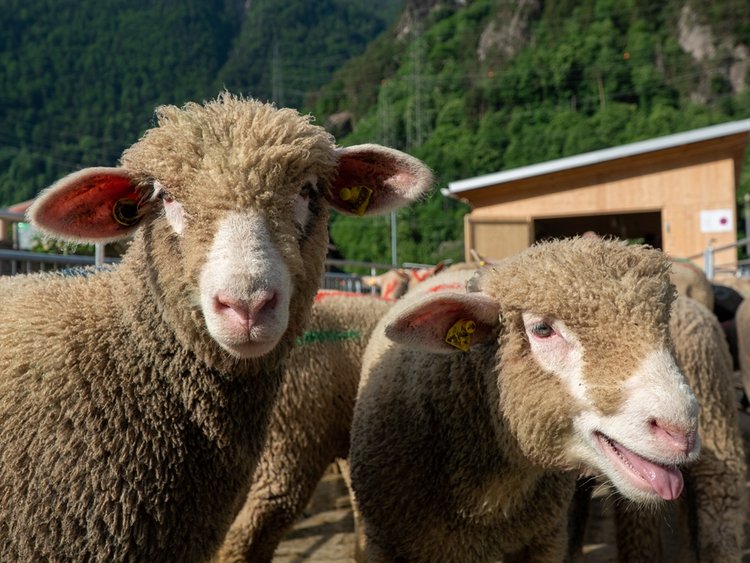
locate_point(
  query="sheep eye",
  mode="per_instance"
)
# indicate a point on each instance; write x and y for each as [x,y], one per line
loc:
[542,330]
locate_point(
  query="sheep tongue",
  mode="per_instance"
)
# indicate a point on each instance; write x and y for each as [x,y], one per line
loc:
[666,481]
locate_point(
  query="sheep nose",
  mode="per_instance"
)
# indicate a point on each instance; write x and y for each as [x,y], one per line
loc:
[674,437]
[246,311]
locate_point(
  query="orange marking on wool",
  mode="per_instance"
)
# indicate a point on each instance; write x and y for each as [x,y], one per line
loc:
[388,290]
[324,294]
[445,286]
[420,277]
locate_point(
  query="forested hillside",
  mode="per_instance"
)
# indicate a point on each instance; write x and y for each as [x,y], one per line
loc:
[469,86]
[79,79]
[500,84]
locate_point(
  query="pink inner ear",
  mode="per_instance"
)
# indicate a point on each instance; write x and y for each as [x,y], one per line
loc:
[82,209]
[425,325]
[358,172]
[375,179]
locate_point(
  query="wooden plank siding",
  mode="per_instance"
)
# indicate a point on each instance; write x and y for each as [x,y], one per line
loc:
[677,182]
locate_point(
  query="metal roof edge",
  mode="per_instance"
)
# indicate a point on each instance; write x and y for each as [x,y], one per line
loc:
[602,155]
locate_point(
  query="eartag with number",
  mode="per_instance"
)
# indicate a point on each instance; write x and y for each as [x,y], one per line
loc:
[357,197]
[459,335]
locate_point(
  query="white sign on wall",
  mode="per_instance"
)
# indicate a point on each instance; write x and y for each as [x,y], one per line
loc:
[717,221]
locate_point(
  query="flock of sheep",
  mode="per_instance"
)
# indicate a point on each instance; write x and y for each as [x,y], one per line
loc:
[183,405]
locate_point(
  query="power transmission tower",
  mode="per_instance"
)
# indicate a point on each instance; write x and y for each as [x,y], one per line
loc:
[415,130]
[385,137]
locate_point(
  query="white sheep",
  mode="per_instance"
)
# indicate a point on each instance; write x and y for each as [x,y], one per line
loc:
[134,401]
[394,283]
[473,456]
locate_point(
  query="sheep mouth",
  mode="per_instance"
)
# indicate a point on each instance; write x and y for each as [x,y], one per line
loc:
[645,475]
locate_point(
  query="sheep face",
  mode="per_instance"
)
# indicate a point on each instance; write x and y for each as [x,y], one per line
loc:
[584,370]
[631,414]
[230,202]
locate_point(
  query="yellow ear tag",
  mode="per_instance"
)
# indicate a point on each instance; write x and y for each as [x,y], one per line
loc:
[358,198]
[459,335]
[125,212]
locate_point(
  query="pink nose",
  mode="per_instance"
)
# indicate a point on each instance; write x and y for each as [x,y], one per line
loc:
[246,312]
[675,438]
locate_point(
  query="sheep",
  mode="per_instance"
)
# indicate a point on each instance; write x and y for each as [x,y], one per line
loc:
[691,281]
[396,282]
[742,324]
[741,284]
[708,520]
[309,428]
[309,425]
[473,456]
[133,401]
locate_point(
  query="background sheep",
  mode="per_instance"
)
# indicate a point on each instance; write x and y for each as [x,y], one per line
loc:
[739,284]
[309,426]
[133,401]
[394,283]
[742,325]
[471,457]
[691,281]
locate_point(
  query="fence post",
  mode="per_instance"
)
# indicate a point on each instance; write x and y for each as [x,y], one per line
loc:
[99,254]
[708,261]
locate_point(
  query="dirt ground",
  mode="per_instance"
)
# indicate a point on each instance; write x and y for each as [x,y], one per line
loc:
[326,531]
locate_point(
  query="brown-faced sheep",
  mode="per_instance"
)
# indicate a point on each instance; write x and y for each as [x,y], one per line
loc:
[133,402]
[706,524]
[309,425]
[472,456]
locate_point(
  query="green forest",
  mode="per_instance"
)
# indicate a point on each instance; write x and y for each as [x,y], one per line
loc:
[470,88]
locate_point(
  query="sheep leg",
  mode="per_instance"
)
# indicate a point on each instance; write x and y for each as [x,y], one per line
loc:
[359,532]
[283,483]
[578,515]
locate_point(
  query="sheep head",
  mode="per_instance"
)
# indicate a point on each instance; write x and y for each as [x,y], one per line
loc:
[228,202]
[584,369]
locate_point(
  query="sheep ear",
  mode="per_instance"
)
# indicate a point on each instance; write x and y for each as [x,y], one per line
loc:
[446,322]
[91,205]
[373,179]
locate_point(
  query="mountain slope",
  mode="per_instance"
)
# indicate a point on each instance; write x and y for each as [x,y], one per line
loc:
[492,85]
[79,79]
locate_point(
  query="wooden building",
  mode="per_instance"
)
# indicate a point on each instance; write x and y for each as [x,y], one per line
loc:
[676,192]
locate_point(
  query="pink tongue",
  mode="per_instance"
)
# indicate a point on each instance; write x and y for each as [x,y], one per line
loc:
[666,481]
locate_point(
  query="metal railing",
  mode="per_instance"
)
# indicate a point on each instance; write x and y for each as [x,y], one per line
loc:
[16,261]
[739,267]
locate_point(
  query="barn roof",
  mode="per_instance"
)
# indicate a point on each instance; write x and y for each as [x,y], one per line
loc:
[597,157]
